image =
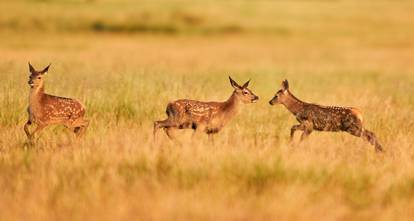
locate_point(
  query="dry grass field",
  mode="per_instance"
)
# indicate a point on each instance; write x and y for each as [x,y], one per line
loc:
[125,60]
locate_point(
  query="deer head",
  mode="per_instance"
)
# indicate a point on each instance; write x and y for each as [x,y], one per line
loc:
[281,95]
[243,93]
[36,77]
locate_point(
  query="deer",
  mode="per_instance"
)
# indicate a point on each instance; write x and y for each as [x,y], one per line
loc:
[45,109]
[323,118]
[205,117]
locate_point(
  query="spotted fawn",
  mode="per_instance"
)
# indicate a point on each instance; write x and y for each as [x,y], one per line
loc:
[45,109]
[206,117]
[323,118]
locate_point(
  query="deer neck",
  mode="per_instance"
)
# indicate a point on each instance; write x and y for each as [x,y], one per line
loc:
[35,96]
[231,106]
[293,104]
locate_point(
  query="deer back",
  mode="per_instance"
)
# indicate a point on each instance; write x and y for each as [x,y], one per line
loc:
[330,118]
[54,109]
[194,111]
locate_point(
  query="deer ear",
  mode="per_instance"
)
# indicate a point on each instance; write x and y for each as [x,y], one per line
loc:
[285,85]
[234,84]
[31,68]
[44,71]
[246,84]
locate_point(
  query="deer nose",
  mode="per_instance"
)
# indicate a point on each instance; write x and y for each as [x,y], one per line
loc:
[270,102]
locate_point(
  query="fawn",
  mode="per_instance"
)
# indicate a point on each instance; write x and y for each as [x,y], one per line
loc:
[45,109]
[207,117]
[323,118]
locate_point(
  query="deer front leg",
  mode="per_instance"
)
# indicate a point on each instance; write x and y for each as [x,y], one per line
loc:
[167,125]
[167,131]
[157,125]
[38,129]
[308,128]
[294,129]
[28,123]
[198,128]
[26,128]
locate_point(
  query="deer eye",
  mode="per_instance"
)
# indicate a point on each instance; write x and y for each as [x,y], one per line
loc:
[245,92]
[38,77]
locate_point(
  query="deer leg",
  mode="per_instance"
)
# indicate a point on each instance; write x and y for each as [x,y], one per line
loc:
[308,128]
[195,127]
[366,135]
[198,129]
[80,129]
[158,125]
[294,129]
[372,139]
[76,130]
[38,129]
[167,125]
[26,128]
[167,131]
[356,131]
[211,138]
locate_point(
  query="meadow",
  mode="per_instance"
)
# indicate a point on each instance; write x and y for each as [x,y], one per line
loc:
[125,60]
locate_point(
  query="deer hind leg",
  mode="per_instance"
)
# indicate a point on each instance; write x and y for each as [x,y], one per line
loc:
[211,138]
[81,127]
[366,135]
[78,126]
[372,139]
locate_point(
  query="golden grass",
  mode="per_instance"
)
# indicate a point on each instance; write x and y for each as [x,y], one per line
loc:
[335,53]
